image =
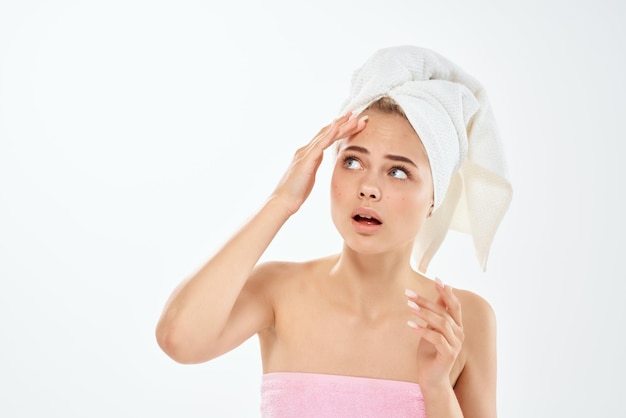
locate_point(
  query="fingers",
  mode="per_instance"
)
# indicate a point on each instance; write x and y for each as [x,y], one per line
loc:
[298,181]
[448,299]
[440,321]
[350,127]
[342,127]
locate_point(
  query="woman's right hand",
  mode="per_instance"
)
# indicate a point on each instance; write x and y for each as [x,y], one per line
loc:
[296,184]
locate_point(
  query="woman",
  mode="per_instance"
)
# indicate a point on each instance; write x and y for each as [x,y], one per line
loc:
[363,333]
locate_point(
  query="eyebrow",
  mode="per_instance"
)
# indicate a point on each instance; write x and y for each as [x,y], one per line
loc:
[387,156]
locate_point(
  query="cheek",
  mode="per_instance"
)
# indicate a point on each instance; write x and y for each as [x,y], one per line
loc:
[336,195]
[410,204]
[402,202]
[335,190]
[337,186]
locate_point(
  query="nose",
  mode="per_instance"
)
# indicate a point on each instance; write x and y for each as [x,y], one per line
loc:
[368,191]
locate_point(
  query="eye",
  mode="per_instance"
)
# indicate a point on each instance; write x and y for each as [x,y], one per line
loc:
[351,163]
[400,172]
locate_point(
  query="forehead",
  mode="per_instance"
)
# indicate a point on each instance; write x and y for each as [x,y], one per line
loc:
[388,133]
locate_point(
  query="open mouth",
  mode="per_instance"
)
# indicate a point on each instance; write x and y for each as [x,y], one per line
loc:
[366,219]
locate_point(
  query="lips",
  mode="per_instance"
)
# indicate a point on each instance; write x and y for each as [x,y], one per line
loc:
[366,216]
[366,219]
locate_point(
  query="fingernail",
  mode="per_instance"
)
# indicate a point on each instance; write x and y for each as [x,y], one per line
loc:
[412,324]
[439,282]
[363,119]
[410,293]
[413,305]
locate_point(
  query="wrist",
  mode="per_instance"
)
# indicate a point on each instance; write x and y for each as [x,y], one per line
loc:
[280,207]
[440,401]
[442,390]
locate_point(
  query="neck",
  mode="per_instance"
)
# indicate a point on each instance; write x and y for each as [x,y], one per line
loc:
[370,281]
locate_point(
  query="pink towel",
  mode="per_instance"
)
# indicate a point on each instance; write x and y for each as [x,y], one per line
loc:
[302,395]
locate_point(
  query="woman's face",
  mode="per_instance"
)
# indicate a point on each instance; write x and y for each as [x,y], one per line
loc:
[381,187]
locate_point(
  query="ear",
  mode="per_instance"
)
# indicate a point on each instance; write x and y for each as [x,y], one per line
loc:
[430,211]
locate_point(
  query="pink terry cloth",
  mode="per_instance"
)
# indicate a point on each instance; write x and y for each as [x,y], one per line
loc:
[303,395]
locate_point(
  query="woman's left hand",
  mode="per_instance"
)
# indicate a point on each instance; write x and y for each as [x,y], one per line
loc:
[440,328]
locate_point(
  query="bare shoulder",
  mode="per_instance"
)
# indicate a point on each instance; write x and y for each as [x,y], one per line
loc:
[479,319]
[475,387]
[272,276]
[273,270]
[474,306]
[283,270]
[268,275]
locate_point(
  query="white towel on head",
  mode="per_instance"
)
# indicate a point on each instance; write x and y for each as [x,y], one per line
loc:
[450,112]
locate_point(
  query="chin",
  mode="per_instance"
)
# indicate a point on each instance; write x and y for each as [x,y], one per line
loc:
[376,244]
[368,245]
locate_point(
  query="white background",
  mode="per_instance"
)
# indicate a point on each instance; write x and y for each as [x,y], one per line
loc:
[136,136]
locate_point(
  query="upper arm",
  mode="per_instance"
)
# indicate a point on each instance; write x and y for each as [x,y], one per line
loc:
[475,388]
[253,310]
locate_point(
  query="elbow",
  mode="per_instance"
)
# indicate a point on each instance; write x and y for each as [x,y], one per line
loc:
[180,345]
[168,341]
